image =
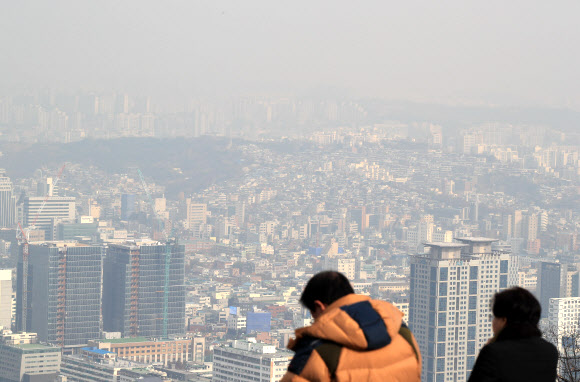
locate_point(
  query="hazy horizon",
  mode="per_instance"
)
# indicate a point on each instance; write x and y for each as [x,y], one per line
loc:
[491,53]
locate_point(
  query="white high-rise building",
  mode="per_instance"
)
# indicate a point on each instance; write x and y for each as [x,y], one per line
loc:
[563,318]
[7,202]
[449,307]
[6,298]
[246,361]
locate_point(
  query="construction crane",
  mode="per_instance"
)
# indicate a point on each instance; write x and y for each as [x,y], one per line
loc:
[24,237]
[167,240]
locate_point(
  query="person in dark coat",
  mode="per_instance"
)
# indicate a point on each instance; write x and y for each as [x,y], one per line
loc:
[517,351]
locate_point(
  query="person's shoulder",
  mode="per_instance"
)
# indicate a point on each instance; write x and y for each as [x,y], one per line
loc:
[548,346]
[532,343]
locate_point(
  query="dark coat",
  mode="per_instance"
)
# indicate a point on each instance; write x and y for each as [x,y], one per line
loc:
[515,360]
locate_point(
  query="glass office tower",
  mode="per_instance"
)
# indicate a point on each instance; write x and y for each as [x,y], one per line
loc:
[144,292]
[60,299]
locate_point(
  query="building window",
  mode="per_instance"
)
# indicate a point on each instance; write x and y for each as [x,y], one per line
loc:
[503,281]
[443,289]
[503,266]
[443,274]
[473,273]
[473,287]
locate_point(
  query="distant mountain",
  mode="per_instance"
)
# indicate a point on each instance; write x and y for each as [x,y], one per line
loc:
[201,161]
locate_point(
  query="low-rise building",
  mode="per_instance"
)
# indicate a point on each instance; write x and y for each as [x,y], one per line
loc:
[152,351]
[21,357]
[248,361]
[97,365]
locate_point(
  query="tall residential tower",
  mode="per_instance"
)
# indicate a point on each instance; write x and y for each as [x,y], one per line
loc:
[451,289]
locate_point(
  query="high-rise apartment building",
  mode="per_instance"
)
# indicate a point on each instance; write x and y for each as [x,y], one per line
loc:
[44,213]
[7,202]
[144,292]
[531,231]
[563,319]
[59,292]
[449,307]
[6,298]
[246,361]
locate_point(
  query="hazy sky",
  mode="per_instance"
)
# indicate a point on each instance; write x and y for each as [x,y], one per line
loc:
[497,52]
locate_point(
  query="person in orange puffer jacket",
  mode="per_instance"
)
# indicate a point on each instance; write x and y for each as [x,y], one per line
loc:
[353,338]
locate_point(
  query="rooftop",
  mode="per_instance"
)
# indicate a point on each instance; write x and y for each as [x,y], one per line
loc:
[126,340]
[32,346]
[445,245]
[476,239]
[97,350]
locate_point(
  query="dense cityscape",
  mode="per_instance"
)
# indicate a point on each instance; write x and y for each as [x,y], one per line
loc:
[119,269]
[261,191]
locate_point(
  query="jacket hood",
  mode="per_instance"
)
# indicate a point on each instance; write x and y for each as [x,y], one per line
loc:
[355,322]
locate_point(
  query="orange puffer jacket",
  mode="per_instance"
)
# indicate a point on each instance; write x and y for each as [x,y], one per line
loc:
[355,339]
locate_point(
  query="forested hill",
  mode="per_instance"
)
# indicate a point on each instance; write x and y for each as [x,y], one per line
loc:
[202,161]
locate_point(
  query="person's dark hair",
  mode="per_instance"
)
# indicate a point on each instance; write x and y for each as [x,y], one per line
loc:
[327,287]
[522,313]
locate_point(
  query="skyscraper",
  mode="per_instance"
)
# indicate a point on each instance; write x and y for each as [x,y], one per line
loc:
[144,292]
[7,202]
[451,289]
[59,292]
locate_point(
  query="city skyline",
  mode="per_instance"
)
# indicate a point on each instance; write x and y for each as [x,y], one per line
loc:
[173,174]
